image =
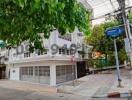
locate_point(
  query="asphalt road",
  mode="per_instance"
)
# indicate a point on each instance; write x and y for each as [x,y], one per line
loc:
[11,94]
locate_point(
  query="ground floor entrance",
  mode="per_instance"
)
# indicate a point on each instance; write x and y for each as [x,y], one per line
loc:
[65,73]
[41,74]
[81,69]
[2,71]
[51,73]
[37,74]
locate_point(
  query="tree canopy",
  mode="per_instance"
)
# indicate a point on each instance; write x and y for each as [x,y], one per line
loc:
[98,38]
[22,20]
[105,45]
[130,17]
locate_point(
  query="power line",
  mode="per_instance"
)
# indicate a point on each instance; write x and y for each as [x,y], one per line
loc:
[110,14]
[112,4]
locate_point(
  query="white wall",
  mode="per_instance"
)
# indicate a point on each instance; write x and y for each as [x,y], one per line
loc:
[53,39]
[14,73]
[53,75]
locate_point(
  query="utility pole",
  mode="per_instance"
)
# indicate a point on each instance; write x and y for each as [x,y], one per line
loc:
[126,25]
[122,7]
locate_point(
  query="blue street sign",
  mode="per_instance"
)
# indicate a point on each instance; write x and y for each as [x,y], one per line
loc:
[114,32]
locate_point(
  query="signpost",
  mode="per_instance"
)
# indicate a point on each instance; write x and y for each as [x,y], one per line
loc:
[114,33]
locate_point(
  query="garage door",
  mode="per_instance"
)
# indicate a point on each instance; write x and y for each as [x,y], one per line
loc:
[65,73]
[37,74]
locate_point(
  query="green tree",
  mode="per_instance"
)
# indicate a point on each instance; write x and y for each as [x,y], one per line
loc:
[105,45]
[22,20]
[130,17]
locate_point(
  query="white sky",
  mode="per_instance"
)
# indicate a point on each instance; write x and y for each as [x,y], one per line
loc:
[102,7]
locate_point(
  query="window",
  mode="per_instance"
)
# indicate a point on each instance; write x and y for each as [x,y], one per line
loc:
[65,73]
[65,37]
[64,69]
[24,71]
[80,34]
[14,55]
[45,52]
[27,54]
[63,51]
[37,71]
[60,51]
[44,71]
[27,71]
[30,71]
[68,52]
[60,70]
[39,52]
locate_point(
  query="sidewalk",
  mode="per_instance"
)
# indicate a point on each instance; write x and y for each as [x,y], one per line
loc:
[101,85]
[89,85]
[126,89]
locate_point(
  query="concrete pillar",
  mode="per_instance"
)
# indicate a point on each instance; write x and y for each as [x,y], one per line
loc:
[76,70]
[7,72]
[53,75]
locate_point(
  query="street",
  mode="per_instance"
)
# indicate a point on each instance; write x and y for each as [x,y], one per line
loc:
[65,49]
[11,94]
[85,88]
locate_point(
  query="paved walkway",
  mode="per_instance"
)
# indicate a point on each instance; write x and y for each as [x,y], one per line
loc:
[90,85]
[100,84]
[126,83]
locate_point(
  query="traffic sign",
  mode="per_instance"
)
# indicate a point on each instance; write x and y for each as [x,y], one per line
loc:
[114,32]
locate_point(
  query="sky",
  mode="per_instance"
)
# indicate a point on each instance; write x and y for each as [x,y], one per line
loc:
[102,7]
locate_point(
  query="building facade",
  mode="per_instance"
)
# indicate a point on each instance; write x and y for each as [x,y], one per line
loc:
[47,67]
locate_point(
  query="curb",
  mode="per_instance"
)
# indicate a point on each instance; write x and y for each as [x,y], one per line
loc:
[119,95]
[115,95]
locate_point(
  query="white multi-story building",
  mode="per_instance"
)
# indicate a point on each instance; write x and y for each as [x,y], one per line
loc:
[46,67]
